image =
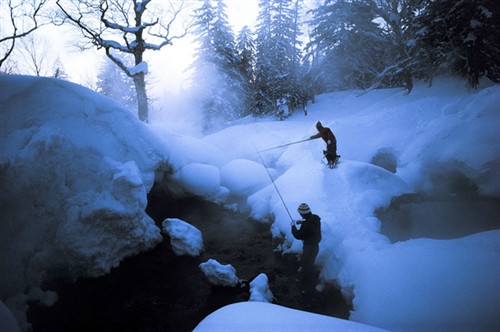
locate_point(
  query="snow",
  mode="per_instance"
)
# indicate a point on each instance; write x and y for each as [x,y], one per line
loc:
[255,176]
[461,274]
[218,274]
[75,170]
[259,316]
[184,238]
[142,67]
[259,289]
[416,285]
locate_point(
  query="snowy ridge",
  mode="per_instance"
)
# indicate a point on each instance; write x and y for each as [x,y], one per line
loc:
[259,316]
[75,171]
[428,136]
[75,168]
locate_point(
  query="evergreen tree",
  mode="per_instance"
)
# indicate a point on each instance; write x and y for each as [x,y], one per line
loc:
[461,37]
[348,45]
[397,17]
[114,83]
[217,80]
[245,51]
[278,54]
[263,63]
[58,70]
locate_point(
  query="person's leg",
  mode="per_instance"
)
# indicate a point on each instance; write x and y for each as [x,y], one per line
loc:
[309,275]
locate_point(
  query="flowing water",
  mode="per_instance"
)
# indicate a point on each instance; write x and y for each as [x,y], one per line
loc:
[158,291]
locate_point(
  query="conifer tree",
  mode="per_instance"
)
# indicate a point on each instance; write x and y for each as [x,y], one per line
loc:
[460,37]
[217,79]
[278,53]
[245,52]
[348,45]
[58,70]
[114,83]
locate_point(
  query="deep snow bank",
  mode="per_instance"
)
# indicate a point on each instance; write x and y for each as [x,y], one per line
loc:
[260,316]
[433,139]
[75,169]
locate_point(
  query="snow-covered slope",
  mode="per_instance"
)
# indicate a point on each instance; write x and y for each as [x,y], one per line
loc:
[427,137]
[75,169]
[259,316]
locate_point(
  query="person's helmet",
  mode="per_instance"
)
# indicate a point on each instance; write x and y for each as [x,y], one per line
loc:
[303,209]
[319,125]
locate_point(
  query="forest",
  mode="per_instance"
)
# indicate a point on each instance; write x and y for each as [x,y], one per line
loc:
[292,54]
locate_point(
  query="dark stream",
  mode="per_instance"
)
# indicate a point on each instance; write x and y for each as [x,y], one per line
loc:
[158,291]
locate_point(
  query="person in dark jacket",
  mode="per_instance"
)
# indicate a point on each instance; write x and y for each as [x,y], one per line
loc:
[331,143]
[310,234]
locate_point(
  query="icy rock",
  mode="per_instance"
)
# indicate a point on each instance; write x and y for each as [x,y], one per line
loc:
[259,289]
[184,238]
[218,274]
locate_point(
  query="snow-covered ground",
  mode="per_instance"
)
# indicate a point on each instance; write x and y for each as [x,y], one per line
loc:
[75,170]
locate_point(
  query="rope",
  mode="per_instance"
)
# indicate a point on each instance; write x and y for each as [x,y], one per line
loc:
[274,184]
[280,146]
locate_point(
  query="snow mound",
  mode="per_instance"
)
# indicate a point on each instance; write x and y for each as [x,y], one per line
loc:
[202,180]
[436,140]
[184,238]
[259,289]
[75,169]
[218,274]
[456,279]
[259,316]
[255,176]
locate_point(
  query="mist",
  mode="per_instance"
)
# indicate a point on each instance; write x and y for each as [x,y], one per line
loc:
[450,206]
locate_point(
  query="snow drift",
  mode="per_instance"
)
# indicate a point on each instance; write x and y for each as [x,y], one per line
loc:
[75,168]
[260,316]
[427,141]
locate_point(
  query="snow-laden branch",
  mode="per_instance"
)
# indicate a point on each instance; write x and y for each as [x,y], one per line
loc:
[128,29]
[115,45]
[142,67]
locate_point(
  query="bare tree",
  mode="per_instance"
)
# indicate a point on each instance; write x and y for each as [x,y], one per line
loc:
[24,18]
[122,26]
[35,52]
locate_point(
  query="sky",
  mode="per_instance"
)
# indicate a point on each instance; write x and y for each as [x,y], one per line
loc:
[167,67]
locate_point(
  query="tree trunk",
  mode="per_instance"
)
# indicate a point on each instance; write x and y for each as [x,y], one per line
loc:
[142,98]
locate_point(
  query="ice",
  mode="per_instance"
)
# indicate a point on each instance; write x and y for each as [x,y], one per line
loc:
[218,274]
[259,289]
[184,238]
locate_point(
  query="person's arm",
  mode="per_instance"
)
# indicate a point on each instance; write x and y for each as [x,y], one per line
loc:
[302,233]
[318,135]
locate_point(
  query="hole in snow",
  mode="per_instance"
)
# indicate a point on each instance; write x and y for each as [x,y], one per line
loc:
[385,158]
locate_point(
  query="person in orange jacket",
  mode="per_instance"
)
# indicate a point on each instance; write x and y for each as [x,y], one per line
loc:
[331,143]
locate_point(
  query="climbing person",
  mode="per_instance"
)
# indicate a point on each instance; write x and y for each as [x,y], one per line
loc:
[310,234]
[331,144]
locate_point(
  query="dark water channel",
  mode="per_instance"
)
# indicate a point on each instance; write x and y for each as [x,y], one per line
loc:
[439,216]
[158,291]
